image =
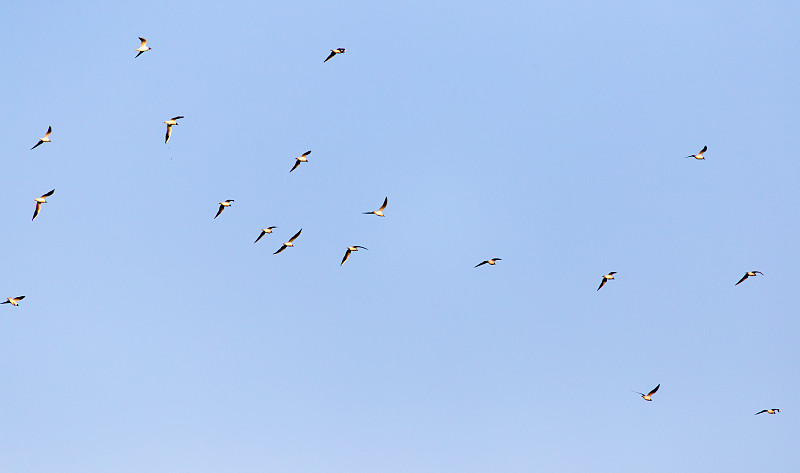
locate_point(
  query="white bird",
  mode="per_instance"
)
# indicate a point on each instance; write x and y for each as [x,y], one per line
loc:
[768,411]
[747,275]
[350,249]
[379,212]
[492,262]
[300,159]
[606,278]
[13,300]
[288,243]
[143,47]
[46,138]
[39,201]
[648,396]
[700,154]
[222,206]
[264,231]
[170,122]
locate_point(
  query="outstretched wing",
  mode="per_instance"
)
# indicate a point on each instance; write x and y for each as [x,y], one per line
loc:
[37,144]
[259,237]
[654,390]
[760,412]
[330,56]
[221,208]
[385,203]
[346,255]
[296,163]
[49,193]
[743,278]
[481,264]
[169,133]
[36,212]
[295,236]
[602,283]
[282,248]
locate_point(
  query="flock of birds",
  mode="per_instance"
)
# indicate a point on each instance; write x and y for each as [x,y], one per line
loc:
[350,249]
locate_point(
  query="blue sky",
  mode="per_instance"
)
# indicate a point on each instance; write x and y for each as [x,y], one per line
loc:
[551,135]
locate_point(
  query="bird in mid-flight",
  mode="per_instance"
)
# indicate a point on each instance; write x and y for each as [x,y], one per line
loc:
[46,138]
[379,212]
[288,243]
[700,154]
[170,122]
[222,206]
[264,231]
[300,159]
[350,249]
[648,396]
[747,275]
[334,52]
[14,300]
[492,261]
[768,411]
[606,278]
[143,47]
[39,201]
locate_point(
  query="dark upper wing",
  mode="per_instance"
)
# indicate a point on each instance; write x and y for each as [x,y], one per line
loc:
[49,193]
[346,255]
[481,264]
[760,412]
[296,163]
[385,203]
[295,235]
[140,53]
[175,118]
[307,153]
[705,148]
[602,283]
[169,132]
[259,237]
[654,390]
[743,278]
[330,56]
[37,144]
[36,212]
[282,248]
[221,208]
[359,246]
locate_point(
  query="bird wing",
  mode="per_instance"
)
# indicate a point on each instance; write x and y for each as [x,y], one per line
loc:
[295,236]
[49,130]
[296,163]
[19,298]
[49,193]
[36,212]
[481,264]
[282,248]
[221,208]
[705,148]
[758,272]
[259,237]
[743,278]
[602,283]
[331,55]
[270,228]
[385,203]
[760,412]
[346,255]
[654,390]
[359,246]
[37,144]
[140,53]
[306,153]
[176,118]
[169,133]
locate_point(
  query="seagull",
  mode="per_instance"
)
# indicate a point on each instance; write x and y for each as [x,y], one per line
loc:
[492,261]
[606,278]
[648,396]
[264,231]
[747,275]
[350,249]
[13,300]
[768,411]
[222,206]
[46,138]
[700,154]
[170,122]
[39,201]
[379,212]
[334,52]
[289,243]
[300,159]
[143,47]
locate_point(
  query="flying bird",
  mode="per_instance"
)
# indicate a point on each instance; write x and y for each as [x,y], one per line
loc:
[492,261]
[13,300]
[264,231]
[46,138]
[39,201]
[648,396]
[222,206]
[142,48]
[334,52]
[379,212]
[700,154]
[350,249]
[768,411]
[606,278]
[747,275]
[170,122]
[300,159]
[289,243]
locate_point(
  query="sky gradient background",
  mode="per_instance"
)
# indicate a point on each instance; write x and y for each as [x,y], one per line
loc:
[549,134]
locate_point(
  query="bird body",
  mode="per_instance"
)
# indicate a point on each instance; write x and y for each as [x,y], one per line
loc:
[143,47]
[45,138]
[222,206]
[648,396]
[350,249]
[747,275]
[700,154]
[607,278]
[379,212]
[39,201]
[492,262]
[768,411]
[289,243]
[13,300]
[334,52]
[264,231]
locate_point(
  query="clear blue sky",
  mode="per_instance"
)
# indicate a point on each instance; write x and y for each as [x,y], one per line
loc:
[549,134]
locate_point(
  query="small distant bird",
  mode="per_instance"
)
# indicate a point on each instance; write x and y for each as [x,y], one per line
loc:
[39,201]
[648,396]
[492,261]
[747,275]
[606,278]
[46,138]
[700,154]
[300,159]
[379,212]
[334,52]
[289,243]
[768,411]
[170,122]
[13,300]
[143,47]
[350,249]
[222,206]
[264,231]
